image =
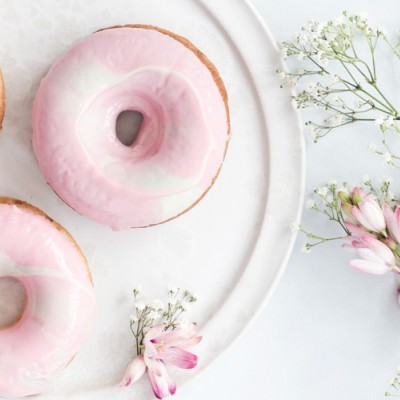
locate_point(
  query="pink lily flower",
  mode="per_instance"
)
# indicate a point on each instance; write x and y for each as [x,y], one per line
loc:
[393,221]
[134,372]
[168,347]
[161,348]
[376,257]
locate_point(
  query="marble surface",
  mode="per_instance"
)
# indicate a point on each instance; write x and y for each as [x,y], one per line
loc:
[329,332]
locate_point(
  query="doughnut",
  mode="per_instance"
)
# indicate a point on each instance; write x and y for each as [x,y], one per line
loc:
[2,100]
[180,144]
[58,306]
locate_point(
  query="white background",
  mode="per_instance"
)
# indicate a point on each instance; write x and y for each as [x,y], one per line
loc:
[328,332]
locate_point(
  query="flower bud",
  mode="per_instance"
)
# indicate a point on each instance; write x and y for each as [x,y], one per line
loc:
[344,197]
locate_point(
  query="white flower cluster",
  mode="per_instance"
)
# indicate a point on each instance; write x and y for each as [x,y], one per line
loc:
[332,71]
[394,383]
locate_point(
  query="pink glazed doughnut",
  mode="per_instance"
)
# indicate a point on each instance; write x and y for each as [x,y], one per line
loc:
[59,311]
[181,143]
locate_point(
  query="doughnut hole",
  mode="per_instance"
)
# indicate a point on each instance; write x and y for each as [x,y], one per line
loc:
[13,300]
[128,125]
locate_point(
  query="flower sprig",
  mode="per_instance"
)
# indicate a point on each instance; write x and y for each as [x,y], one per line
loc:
[337,71]
[147,315]
[162,337]
[337,204]
[395,385]
[370,219]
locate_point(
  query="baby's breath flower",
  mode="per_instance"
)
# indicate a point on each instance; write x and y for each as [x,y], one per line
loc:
[335,78]
[282,74]
[139,305]
[322,191]
[195,297]
[388,157]
[332,70]
[185,306]
[381,30]
[387,180]
[158,304]
[172,301]
[173,290]
[153,315]
[338,20]
[366,179]
[301,56]
[133,318]
[306,248]
[310,203]
[332,182]
[294,227]
[301,38]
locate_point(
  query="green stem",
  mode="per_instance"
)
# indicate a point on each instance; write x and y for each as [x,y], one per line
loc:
[374,85]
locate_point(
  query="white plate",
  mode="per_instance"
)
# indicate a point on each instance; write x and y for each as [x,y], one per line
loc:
[232,247]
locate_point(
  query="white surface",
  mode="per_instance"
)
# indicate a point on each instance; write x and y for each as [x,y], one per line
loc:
[230,248]
[329,332]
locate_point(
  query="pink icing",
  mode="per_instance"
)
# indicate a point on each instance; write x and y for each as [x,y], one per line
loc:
[180,145]
[59,315]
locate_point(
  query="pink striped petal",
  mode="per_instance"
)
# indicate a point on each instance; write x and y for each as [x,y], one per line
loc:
[180,358]
[180,337]
[153,364]
[162,384]
[369,267]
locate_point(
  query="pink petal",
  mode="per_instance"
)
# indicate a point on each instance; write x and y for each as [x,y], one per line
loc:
[380,249]
[357,195]
[162,384]
[389,217]
[150,350]
[373,213]
[369,267]
[153,364]
[180,358]
[369,255]
[154,332]
[396,225]
[361,218]
[180,337]
[134,371]
[356,230]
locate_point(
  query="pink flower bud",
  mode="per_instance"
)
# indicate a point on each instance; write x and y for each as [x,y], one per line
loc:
[369,214]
